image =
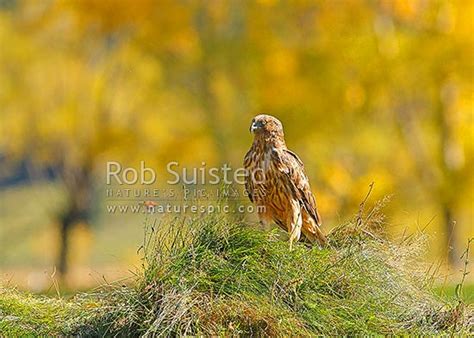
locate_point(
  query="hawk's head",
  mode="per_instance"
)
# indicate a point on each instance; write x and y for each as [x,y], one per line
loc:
[266,125]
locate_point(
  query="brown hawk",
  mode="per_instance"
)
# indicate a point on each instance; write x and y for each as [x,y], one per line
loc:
[277,184]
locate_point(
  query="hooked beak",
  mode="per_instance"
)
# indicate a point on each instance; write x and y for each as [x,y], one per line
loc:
[253,127]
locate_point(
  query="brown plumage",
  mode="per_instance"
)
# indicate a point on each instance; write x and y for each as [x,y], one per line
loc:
[276,181]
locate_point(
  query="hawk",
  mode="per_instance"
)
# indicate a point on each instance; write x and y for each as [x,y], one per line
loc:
[277,184]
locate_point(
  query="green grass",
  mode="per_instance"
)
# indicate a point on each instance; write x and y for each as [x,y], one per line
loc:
[212,276]
[26,314]
[449,292]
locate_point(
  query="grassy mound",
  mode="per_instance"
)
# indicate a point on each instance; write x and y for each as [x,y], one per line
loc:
[210,276]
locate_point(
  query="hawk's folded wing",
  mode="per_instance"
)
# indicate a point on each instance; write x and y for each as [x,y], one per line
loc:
[292,172]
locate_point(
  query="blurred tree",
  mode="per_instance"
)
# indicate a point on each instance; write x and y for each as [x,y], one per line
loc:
[87,81]
[73,104]
[436,44]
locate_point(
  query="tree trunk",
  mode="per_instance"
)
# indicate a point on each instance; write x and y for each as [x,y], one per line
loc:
[79,187]
[64,228]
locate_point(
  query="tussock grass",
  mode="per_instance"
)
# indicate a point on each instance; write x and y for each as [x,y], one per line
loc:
[213,276]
